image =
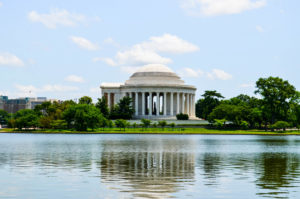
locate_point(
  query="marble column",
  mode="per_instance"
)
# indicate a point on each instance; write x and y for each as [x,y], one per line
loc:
[143,103]
[157,103]
[165,103]
[178,111]
[108,100]
[136,103]
[187,103]
[171,108]
[150,103]
[182,103]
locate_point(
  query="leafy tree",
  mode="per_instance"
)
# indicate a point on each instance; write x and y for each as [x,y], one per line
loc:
[162,124]
[120,123]
[146,123]
[134,125]
[3,116]
[280,125]
[102,106]
[123,110]
[172,125]
[244,124]
[278,96]
[82,117]
[154,124]
[85,100]
[205,106]
[26,118]
[45,122]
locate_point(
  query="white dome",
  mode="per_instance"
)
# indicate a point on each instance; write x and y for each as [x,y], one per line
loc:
[154,68]
[154,74]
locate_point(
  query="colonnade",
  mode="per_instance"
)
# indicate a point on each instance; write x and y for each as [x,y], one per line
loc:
[157,103]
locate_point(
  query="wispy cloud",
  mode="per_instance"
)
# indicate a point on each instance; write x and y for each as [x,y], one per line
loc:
[219,74]
[74,78]
[260,28]
[189,72]
[219,7]
[84,43]
[8,59]
[57,17]
[147,52]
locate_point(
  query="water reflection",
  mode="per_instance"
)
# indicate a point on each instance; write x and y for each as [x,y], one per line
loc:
[128,166]
[147,169]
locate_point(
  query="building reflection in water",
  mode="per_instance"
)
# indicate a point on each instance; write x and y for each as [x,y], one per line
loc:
[155,172]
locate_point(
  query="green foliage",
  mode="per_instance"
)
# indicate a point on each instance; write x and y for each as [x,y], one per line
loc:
[3,117]
[154,124]
[182,116]
[82,117]
[120,123]
[162,124]
[244,125]
[280,125]
[146,123]
[134,125]
[85,100]
[278,96]
[58,124]
[123,110]
[205,106]
[219,123]
[102,106]
[25,118]
[172,125]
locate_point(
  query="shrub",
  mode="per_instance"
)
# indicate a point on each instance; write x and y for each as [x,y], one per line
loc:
[182,116]
[120,123]
[219,123]
[145,123]
[162,124]
[244,125]
[280,125]
[154,124]
[172,125]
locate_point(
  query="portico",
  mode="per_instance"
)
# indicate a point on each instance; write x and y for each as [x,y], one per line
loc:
[156,91]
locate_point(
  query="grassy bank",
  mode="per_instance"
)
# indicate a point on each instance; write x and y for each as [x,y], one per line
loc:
[156,131]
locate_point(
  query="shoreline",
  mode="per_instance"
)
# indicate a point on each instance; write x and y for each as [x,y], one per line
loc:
[186,131]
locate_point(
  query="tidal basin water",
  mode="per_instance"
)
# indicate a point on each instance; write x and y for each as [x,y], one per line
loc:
[149,166]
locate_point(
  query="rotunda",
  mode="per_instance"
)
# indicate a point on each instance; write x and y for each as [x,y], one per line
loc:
[157,93]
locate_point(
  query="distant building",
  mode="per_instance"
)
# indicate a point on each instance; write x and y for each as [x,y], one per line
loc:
[14,105]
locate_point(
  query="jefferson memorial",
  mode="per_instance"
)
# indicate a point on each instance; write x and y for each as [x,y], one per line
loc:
[157,93]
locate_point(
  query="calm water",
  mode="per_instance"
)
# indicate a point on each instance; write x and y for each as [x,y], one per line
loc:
[149,166]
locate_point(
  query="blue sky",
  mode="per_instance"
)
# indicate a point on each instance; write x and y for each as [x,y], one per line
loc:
[66,49]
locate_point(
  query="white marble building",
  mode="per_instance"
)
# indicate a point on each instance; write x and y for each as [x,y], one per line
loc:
[146,86]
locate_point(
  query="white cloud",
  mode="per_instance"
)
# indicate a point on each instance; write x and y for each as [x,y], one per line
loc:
[30,90]
[219,74]
[247,85]
[112,42]
[147,52]
[168,43]
[259,28]
[74,78]
[57,17]
[219,7]
[1,4]
[84,43]
[10,60]
[189,72]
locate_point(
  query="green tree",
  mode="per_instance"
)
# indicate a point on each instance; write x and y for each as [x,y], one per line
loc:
[280,125]
[182,116]
[58,124]
[278,96]
[162,124]
[102,106]
[120,123]
[4,116]
[210,100]
[219,123]
[82,117]
[85,100]
[123,110]
[26,118]
[145,123]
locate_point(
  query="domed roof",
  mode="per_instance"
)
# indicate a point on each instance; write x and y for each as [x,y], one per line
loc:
[154,74]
